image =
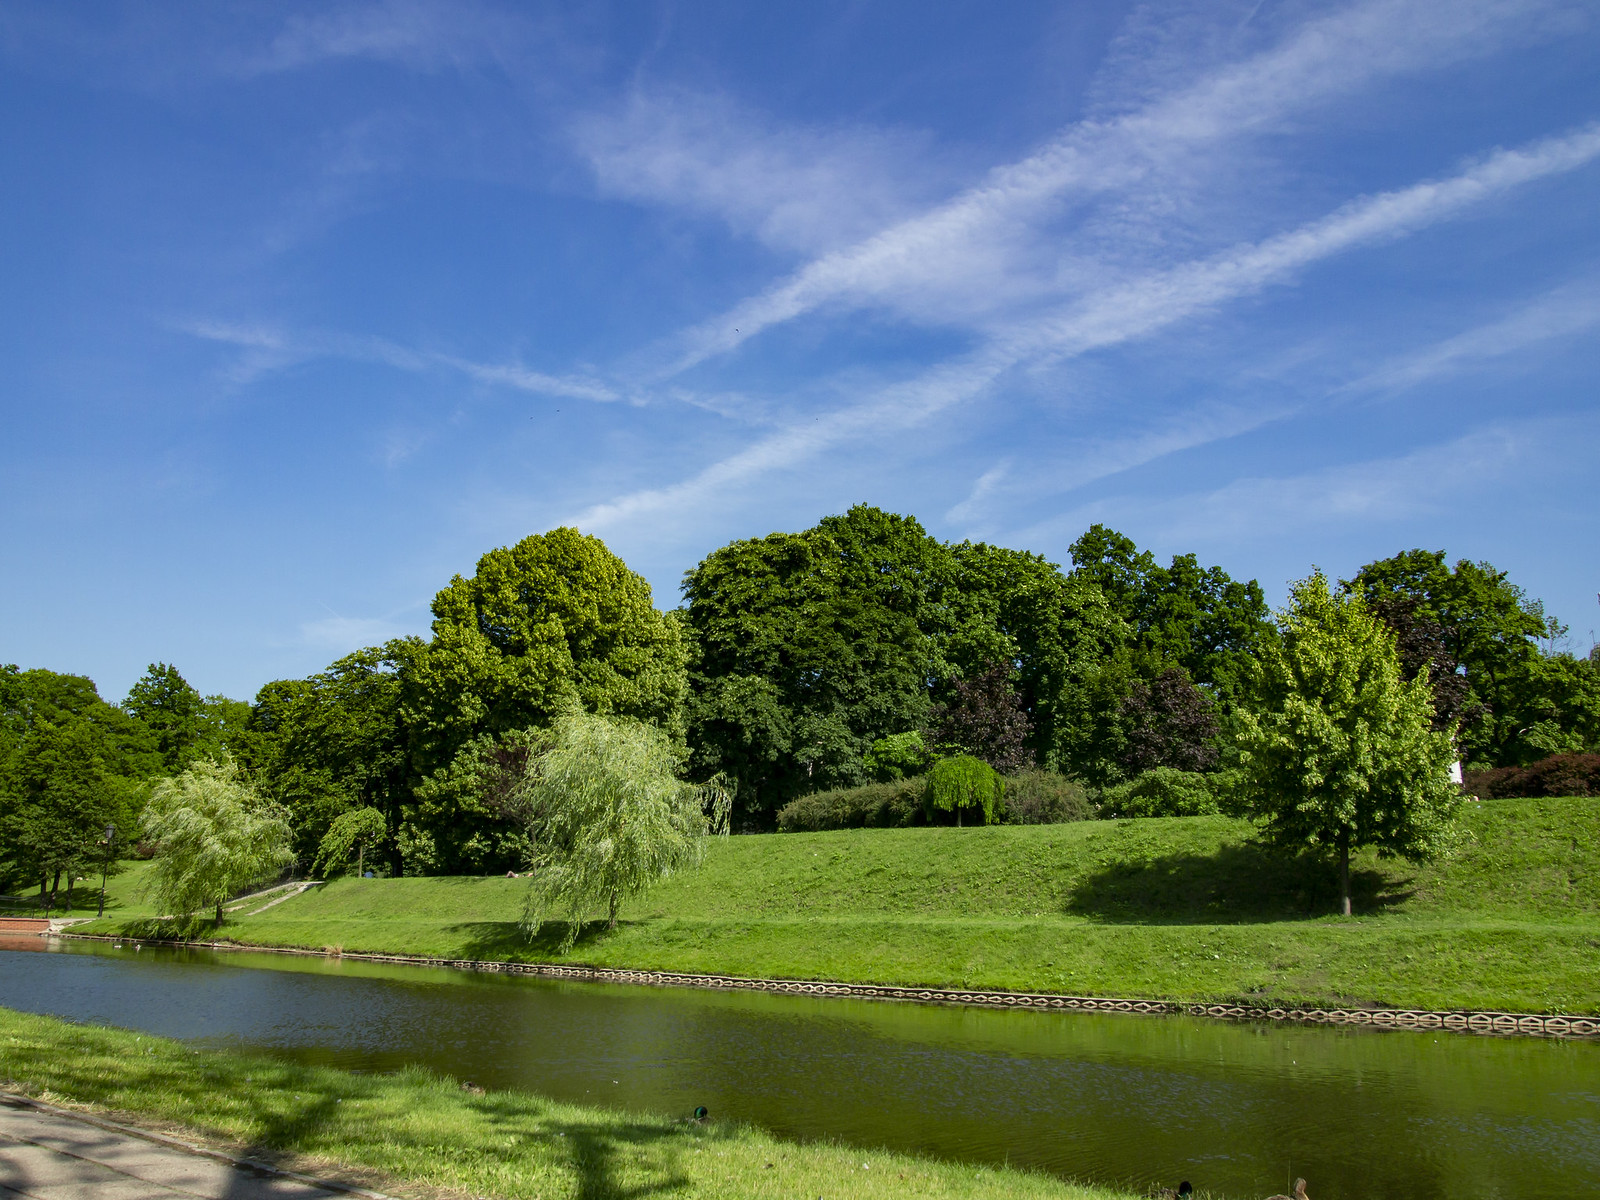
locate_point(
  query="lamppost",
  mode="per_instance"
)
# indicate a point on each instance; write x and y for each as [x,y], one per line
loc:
[105,862]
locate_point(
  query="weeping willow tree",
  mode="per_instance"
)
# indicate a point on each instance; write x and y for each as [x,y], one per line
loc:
[214,837]
[351,832]
[609,817]
[963,782]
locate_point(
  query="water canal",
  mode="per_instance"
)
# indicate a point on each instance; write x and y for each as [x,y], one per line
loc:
[1238,1109]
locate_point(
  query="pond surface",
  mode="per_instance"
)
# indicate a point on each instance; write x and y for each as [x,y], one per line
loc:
[1237,1109]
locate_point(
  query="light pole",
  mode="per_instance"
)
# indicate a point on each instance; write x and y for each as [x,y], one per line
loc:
[105,861]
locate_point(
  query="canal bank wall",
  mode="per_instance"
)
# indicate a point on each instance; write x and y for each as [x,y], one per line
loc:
[1504,1024]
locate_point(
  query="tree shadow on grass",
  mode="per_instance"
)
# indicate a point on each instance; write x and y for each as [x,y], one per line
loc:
[1241,883]
[508,940]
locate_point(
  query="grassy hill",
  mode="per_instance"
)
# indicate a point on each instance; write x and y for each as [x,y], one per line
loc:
[1185,908]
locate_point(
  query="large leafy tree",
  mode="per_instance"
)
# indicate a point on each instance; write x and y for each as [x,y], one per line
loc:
[984,717]
[70,765]
[176,715]
[553,620]
[1341,751]
[214,836]
[556,620]
[808,648]
[1519,702]
[1057,634]
[1198,618]
[336,742]
[609,815]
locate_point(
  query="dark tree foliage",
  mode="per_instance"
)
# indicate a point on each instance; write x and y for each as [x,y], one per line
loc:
[336,742]
[70,765]
[997,605]
[984,717]
[174,713]
[1169,722]
[806,648]
[1198,617]
[1422,645]
[1521,704]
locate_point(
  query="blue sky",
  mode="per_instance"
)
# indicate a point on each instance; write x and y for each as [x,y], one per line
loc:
[305,308]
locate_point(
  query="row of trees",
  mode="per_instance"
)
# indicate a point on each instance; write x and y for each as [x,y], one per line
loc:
[860,649]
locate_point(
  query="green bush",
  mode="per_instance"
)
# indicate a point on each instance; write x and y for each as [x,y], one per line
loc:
[1040,797]
[874,805]
[1162,792]
[963,783]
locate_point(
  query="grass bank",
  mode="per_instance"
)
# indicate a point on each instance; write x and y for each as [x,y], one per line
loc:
[1183,908]
[418,1134]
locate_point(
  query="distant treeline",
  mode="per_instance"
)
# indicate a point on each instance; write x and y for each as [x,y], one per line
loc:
[856,651]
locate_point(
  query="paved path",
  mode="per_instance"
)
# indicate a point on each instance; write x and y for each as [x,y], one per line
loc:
[49,1154]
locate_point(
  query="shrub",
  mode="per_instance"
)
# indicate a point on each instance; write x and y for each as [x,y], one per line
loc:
[1161,792]
[875,805]
[963,782]
[1557,775]
[1040,797]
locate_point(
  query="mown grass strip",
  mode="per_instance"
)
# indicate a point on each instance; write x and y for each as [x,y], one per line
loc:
[417,1133]
[1184,909]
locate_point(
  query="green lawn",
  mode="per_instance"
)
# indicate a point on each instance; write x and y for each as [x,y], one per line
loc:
[414,1133]
[1182,908]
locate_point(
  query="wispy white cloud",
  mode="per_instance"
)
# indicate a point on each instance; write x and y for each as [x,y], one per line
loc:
[265,349]
[793,187]
[417,34]
[1398,488]
[1561,312]
[1125,312]
[991,244]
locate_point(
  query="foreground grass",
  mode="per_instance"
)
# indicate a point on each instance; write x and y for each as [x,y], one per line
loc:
[418,1133]
[1183,908]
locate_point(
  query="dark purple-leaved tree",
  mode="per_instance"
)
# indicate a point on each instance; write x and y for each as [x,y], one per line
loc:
[1421,642]
[984,718]
[1169,722]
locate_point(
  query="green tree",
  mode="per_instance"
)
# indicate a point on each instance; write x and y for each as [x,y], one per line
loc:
[175,714]
[1198,618]
[70,764]
[464,818]
[962,783]
[808,648]
[350,833]
[1058,633]
[609,816]
[556,619]
[1340,752]
[335,742]
[1518,703]
[214,837]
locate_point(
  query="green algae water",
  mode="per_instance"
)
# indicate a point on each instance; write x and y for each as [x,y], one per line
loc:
[1240,1110]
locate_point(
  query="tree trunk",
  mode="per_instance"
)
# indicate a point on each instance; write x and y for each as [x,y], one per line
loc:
[361,858]
[612,924]
[219,914]
[55,889]
[1344,869]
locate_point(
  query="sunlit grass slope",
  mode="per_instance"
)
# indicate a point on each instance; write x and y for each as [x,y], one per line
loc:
[1184,908]
[413,1131]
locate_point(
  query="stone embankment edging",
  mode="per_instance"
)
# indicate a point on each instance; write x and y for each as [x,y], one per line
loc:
[1456,1020]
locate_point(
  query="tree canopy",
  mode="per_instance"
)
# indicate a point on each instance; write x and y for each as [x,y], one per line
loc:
[70,765]
[807,648]
[609,817]
[213,836]
[553,620]
[1520,704]
[1340,751]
